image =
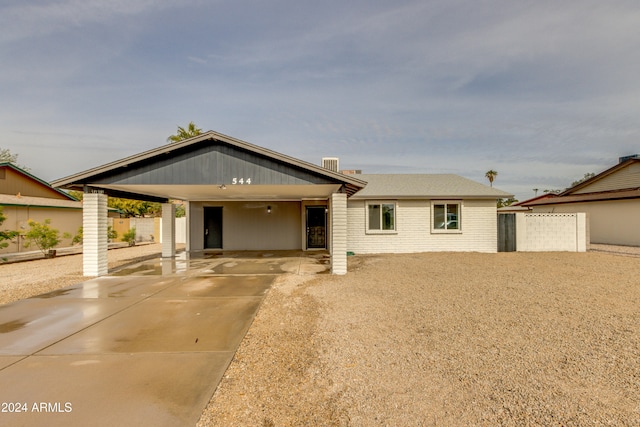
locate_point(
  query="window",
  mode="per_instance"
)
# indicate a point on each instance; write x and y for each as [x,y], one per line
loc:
[446,216]
[381,216]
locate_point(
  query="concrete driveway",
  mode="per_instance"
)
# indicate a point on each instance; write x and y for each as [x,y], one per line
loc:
[147,345]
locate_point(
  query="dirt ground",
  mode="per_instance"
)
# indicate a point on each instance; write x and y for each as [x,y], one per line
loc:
[443,339]
[438,339]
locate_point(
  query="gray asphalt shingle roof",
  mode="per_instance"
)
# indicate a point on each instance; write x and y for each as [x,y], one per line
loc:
[42,202]
[395,186]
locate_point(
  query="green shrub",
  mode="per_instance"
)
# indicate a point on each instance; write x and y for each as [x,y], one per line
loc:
[111,235]
[130,236]
[78,237]
[43,236]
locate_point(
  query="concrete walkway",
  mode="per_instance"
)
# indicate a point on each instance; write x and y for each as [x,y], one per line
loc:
[145,346]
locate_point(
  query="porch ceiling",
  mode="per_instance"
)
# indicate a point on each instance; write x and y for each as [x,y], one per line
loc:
[229,192]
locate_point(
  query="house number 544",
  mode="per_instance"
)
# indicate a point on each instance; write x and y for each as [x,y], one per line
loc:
[241,181]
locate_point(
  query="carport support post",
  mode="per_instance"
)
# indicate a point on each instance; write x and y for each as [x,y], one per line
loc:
[94,235]
[339,233]
[168,230]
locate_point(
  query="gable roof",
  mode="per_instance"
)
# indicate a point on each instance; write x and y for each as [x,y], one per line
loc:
[40,202]
[535,199]
[583,187]
[412,186]
[178,164]
[621,181]
[37,181]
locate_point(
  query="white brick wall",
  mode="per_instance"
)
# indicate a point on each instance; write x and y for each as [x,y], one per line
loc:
[145,228]
[538,232]
[95,244]
[338,233]
[168,230]
[413,229]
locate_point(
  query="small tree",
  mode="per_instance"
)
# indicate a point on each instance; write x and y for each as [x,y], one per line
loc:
[43,236]
[506,202]
[180,211]
[111,234]
[583,179]
[7,156]
[77,239]
[130,236]
[5,235]
[134,208]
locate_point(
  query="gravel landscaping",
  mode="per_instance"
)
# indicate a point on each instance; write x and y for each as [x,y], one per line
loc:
[451,339]
[511,339]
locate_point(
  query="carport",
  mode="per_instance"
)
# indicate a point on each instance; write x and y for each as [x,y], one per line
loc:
[238,196]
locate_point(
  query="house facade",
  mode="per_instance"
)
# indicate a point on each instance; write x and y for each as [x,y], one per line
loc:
[611,201]
[422,213]
[24,197]
[243,197]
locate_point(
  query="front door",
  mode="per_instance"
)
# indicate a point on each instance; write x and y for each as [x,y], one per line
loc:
[213,227]
[316,227]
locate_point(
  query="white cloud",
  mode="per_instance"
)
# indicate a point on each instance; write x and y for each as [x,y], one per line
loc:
[542,91]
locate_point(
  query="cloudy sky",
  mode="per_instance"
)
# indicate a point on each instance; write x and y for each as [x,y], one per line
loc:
[540,91]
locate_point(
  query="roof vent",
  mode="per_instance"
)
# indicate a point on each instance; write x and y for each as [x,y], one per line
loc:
[330,163]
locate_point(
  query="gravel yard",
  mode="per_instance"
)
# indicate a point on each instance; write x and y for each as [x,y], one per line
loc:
[510,339]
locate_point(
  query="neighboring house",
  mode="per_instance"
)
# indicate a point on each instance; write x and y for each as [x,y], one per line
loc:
[24,197]
[611,200]
[240,196]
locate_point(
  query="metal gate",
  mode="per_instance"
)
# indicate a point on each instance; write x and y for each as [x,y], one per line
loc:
[507,232]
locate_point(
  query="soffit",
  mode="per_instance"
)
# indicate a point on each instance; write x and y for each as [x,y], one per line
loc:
[230,192]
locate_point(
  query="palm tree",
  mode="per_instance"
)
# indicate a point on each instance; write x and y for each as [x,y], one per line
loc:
[183,133]
[491,175]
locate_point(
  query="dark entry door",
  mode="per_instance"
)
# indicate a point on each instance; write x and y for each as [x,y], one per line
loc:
[213,227]
[316,227]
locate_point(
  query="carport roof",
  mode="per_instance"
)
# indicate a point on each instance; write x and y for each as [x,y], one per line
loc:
[200,167]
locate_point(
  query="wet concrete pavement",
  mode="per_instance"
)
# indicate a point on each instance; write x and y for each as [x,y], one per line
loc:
[147,345]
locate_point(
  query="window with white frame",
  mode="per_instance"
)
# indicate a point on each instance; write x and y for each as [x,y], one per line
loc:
[381,216]
[446,216]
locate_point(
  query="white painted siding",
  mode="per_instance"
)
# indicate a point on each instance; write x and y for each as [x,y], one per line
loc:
[413,229]
[628,177]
